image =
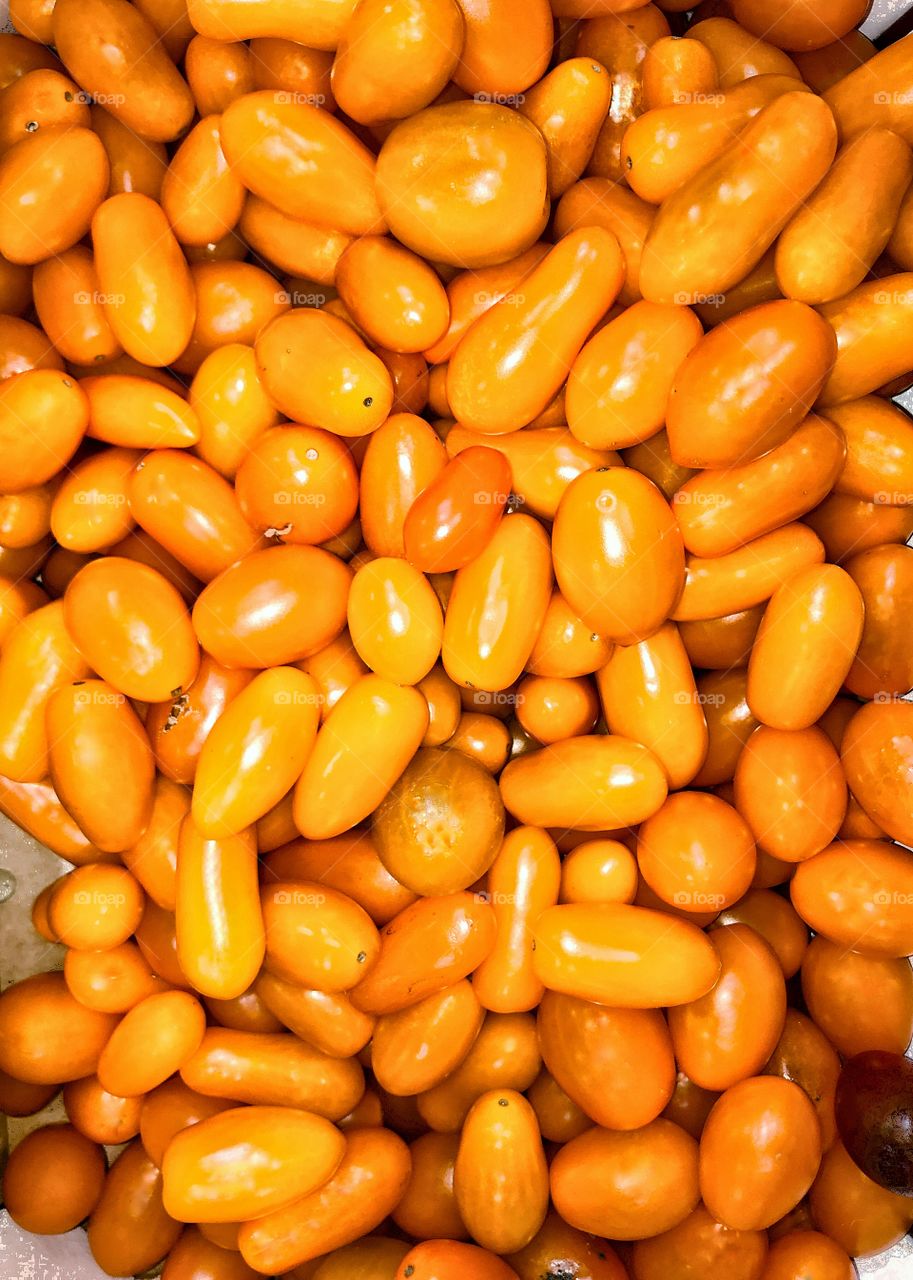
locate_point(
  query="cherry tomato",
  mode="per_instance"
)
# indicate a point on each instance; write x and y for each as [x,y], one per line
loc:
[53,1179]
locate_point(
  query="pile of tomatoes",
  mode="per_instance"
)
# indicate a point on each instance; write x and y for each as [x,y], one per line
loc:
[454,628]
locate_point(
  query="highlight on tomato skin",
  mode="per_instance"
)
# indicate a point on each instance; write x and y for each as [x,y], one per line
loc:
[455,485]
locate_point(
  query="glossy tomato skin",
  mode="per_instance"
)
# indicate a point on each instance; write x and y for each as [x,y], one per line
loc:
[101,763]
[837,985]
[611,524]
[760,1151]
[646,1179]
[855,893]
[129,1229]
[728,1034]
[805,1056]
[429,163]
[573,956]
[700,1248]
[875,754]
[133,627]
[587,1045]
[292,1152]
[455,517]
[232,627]
[449,1259]
[178,727]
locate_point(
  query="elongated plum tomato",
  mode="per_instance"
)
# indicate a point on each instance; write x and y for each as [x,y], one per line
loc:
[454,518]
[282,1153]
[618,553]
[622,955]
[133,628]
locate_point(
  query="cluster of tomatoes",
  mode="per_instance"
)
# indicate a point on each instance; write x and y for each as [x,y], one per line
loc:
[454,622]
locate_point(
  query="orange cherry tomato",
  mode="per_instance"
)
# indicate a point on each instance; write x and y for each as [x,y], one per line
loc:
[360,751]
[676,71]
[618,554]
[395,620]
[822,68]
[299,480]
[48,1037]
[465,183]
[881,664]
[414,1049]
[505,1056]
[858,1215]
[36,807]
[94,908]
[364,1189]
[565,646]
[696,852]
[136,164]
[498,378]
[38,658]
[879,466]
[53,1179]
[522,881]
[302,160]
[837,985]
[857,893]
[700,1248]
[145,281]
[90,510]
[17,599]
[591,783]
[218,72]
[113,980]
[129,1230]
[43,417]
[156,416]
[428,1208]
[627,1185]
[599,871]
[557,1246]
[69,304]
[857,204]
[153,1040]
[168,1109]
[316,936]
[195,1256]
[115,53]
[457,930]
[760,1151]
[620,383]
[202,198]
[42,211]
[735,207]
[808,25]
[727,1034]
[569,106]
[711,421]
[133,627]
[231,407]
[721,510]
[805,1056]
[875,753]
[815,619]
[740,54]
[248,1161]
[500,1175]
[255,752]
[616,1064]
[394,297]
[808,1253]
[305,248]
[456,515]
[444,706]
[99,1115]
[403,457]
[316,23]
[100,763]
[326,1020]
[505,49]
[648,694]
[18,1098]
[723,585]
[497,606]
[273,1070]
[572,955]
[230,622]
[285,64]
[220,935]
[348,390]
[871,324]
